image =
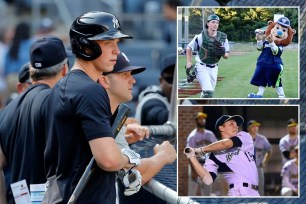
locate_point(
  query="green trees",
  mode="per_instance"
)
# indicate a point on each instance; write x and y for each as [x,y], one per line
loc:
[239,23]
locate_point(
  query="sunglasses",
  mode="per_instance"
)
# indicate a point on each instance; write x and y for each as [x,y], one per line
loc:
[168,79]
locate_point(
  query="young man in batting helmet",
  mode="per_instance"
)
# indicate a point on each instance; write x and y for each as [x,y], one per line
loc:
[79,119]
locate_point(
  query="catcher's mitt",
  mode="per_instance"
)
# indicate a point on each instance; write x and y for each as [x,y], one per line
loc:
[218,48]
[191,73]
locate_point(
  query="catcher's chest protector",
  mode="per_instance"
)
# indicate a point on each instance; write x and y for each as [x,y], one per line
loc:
[206,50]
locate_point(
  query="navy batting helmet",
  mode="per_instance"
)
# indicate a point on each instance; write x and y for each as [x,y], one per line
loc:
[94,25]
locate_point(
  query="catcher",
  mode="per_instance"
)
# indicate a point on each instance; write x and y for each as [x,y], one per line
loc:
[233,157]
[210,45]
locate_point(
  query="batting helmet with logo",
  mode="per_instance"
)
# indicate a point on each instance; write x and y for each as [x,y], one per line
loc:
[94,25]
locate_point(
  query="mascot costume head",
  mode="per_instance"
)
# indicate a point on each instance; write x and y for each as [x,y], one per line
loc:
[281,31]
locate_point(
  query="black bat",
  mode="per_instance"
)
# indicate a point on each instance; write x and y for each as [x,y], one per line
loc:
[121,113]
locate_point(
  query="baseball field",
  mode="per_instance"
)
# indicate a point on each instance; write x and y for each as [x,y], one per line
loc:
[236,72]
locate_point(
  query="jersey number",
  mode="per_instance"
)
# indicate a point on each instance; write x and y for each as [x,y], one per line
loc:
[250,156]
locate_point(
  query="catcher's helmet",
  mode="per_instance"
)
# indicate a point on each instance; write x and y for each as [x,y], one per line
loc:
[213,17]
[94,25]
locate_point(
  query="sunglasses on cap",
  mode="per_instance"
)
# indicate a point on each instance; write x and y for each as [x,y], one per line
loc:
[168,79]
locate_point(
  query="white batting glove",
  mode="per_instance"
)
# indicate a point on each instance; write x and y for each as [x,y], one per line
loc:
[131,180]
[193,152]
[134,158]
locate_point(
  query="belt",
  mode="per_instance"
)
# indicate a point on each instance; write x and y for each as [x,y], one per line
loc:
[208,65]
[254,187]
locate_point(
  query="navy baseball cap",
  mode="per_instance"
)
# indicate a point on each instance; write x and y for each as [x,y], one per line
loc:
[24,73]
[123,65]
[284,21]
[253,122]
[239,120]
[47,52]
[292,122]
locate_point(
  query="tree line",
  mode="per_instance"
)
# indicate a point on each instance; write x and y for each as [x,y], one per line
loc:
[240,23]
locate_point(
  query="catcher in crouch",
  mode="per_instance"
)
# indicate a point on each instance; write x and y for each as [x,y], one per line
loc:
[210,45]
[233,156]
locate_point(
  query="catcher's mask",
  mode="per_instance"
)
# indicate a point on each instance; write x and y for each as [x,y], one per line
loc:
[94,25]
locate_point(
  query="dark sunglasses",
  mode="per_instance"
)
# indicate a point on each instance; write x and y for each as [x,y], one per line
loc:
[168,79]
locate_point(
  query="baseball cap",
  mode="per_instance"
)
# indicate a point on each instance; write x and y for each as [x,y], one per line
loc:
[292,122]
[239,120]
[24,73]
[213,17]
[123,65]
[47,52]
[201,114]
[253,122]
[284,21]
[168,66]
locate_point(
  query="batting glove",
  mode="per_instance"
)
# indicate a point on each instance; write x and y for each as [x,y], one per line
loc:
[193,152]
[131,180]
[134,158]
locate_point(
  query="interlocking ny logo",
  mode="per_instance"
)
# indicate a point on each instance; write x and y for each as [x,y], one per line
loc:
[116,23]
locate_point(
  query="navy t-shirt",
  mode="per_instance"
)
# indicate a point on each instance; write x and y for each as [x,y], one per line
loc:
[22,136]
[79,111]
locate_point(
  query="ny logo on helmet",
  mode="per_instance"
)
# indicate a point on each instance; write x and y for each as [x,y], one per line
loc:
[116,23]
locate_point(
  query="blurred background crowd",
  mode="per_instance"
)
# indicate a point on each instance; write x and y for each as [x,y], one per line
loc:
[152,24]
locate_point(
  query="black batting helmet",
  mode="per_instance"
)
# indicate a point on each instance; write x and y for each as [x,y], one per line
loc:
[94,25]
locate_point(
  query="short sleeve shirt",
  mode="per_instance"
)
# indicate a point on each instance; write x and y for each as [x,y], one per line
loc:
[79,111]
[262,146]
[200,139]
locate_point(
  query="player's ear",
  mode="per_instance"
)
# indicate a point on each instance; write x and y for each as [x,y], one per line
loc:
[103,81]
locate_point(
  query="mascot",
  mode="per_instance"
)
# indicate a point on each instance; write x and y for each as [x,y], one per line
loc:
[269,66]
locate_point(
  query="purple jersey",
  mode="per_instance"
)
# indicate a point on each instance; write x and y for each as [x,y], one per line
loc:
[200,139]
[262,146]
[291,171]
[286,144]
[236,164]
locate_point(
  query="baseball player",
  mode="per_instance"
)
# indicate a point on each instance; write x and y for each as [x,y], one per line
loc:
[199,137]
[289,141]
[118,85]
[263,152]
[79,116]
[290,175]
[22,126]
[233,157]
[210,45]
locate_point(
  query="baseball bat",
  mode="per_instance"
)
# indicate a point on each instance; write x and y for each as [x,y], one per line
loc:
[121,113]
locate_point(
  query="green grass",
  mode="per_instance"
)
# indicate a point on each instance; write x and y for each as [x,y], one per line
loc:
[238,71]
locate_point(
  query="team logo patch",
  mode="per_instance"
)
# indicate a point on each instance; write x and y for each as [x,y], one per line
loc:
[116,23]
[37,64]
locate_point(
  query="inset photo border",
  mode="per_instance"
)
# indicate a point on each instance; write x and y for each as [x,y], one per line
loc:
[200,126]
[249,67]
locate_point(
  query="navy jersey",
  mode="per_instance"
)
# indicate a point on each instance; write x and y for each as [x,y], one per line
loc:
[268,57]
[22,136]
[79,111]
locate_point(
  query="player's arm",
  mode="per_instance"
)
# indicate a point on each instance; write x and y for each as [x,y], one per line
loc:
[217,146]
[189,57]
[266,158]
[226,47]
[2,181]
[204,175]
[108,155]
[163,154]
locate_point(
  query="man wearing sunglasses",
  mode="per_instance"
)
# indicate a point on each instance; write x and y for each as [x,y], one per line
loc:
[154,101]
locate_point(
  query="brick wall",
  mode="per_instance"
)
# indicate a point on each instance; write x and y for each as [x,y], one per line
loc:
[186,123]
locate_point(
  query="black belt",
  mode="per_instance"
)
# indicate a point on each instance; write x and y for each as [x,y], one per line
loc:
[208,65]
[254,187]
